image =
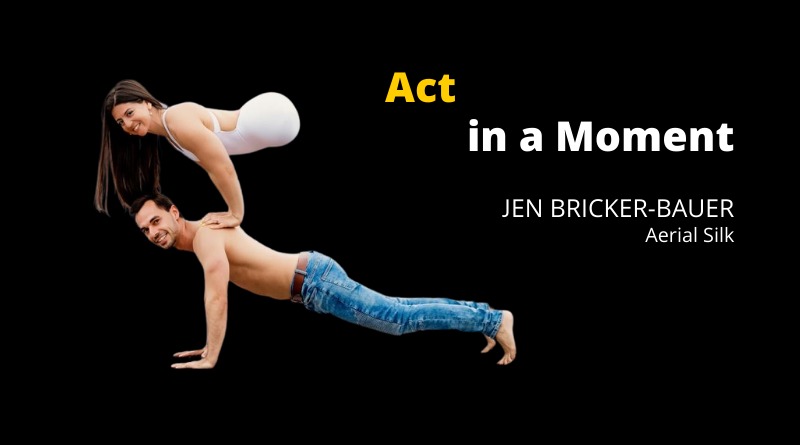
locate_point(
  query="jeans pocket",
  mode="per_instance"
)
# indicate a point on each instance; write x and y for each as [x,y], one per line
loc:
[387,327]
[335,274]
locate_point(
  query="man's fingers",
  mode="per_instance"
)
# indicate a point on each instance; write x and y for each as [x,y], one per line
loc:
[197,364]
[187,365]
[188,353]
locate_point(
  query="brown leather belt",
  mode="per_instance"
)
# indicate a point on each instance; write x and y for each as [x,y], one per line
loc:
[299,277]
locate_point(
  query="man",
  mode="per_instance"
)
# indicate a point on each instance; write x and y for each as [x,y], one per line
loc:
[310,278]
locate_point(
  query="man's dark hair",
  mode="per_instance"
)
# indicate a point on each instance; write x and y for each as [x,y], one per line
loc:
[161,200]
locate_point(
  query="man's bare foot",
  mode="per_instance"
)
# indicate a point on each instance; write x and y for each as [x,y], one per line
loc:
[489,344]
[505,336]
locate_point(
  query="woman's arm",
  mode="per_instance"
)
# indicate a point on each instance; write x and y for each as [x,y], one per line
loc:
[186,123]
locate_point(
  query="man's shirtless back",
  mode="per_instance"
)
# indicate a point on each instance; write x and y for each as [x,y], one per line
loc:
[253,266]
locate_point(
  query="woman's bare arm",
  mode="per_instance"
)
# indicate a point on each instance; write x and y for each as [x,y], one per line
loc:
[187,123]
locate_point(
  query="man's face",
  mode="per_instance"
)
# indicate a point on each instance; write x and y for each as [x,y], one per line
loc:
[158,225]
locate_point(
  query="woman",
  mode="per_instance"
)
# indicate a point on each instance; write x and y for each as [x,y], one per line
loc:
[133,120]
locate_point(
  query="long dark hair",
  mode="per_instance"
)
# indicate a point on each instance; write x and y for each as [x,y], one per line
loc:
[131,162]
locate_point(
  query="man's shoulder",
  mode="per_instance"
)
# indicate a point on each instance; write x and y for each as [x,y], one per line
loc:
[206,236]
[210,246]
[226,234]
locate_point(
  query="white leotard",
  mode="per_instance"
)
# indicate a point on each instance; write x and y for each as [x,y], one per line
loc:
[267,120]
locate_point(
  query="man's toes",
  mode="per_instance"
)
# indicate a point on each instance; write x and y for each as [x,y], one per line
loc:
[508,358]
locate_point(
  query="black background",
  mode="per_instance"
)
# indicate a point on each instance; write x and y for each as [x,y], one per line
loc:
[393,193]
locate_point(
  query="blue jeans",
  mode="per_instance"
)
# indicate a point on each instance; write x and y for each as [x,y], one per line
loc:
[328,290]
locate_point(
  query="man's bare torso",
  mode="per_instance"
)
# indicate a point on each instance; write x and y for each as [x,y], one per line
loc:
[254,266]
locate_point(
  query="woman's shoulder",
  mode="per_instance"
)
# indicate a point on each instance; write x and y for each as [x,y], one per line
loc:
[185,113]
[186,108]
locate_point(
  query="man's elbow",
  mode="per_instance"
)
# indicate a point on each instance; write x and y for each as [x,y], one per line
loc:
[217,299]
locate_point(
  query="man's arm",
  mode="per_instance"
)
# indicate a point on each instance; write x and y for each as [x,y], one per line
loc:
[209,246]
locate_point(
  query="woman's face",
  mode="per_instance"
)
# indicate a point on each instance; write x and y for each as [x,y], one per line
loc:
[133,117]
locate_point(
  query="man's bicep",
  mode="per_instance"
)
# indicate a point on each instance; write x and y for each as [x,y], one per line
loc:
[209,246]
